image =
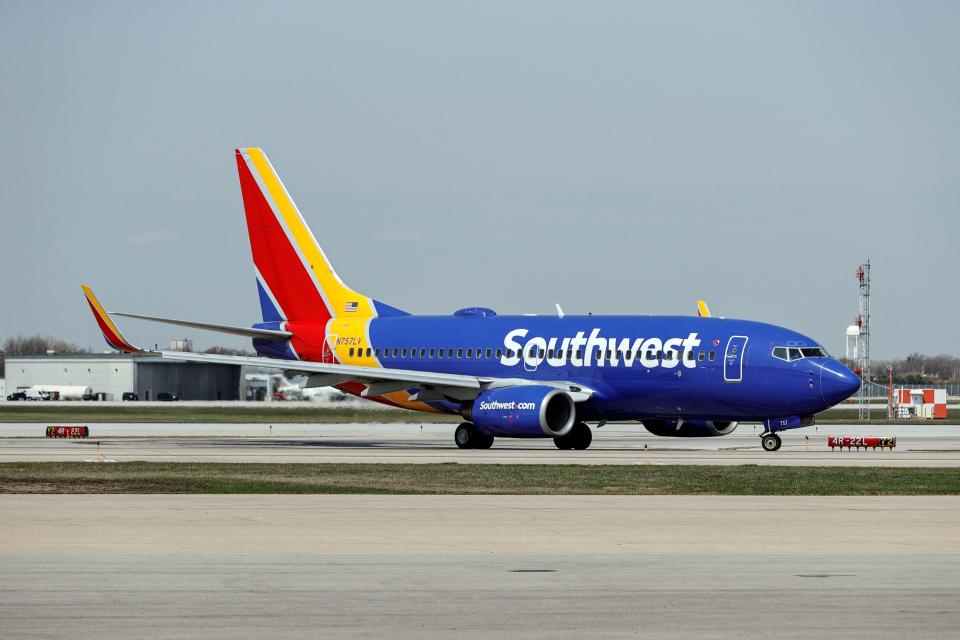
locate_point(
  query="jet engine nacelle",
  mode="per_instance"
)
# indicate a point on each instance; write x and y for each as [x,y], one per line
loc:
[690,428]
[523,411]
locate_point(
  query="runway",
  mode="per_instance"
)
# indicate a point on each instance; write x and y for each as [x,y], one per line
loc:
[111,566]
[928,446]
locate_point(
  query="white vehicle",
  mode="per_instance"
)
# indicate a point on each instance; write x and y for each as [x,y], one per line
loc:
[32,393]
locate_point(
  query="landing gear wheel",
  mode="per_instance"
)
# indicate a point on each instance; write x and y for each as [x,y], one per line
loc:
[483,441]
[466,436]
[579,437]
[583,436]
[771,442]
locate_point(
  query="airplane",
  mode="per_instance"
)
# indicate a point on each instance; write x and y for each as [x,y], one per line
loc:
[508,376]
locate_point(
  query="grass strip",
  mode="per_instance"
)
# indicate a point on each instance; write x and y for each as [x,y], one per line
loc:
[81,413]
[154,477]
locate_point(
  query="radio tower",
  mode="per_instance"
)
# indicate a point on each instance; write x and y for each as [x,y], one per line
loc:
[863,346]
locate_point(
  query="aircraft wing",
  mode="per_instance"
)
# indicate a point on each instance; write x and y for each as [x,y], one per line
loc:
[432,385]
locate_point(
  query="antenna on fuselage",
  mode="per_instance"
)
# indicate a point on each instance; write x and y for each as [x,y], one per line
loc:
[559,311]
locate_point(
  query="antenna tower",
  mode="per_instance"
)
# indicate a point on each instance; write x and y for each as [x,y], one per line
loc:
[863,350]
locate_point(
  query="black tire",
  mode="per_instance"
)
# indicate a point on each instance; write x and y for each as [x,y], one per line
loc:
[582,436]
[579,438]
[483,441]
[466,436]
[771,442]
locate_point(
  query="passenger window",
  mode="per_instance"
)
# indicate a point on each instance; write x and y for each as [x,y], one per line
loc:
[423,353]
[432,352]
[489,351]
[459,353]
[700,356]
[713,356]
[499,353]
[368,352]
[351,352]
[376,352]
[439,353]
[404,353]
[449,353]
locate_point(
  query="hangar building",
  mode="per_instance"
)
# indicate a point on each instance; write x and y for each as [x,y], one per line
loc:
[114,374]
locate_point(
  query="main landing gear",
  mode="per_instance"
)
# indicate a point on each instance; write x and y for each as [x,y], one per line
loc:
[770,441]
[579,437]
[467,436]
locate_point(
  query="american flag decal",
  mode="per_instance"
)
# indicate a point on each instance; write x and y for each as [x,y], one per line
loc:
[352,306]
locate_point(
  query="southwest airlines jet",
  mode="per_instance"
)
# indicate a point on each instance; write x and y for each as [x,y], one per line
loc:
[509,376]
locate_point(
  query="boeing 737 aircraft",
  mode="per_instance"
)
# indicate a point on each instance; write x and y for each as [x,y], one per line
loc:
[509,376]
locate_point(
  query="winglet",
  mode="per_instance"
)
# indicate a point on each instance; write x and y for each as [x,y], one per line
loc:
[110,332]
[702,309]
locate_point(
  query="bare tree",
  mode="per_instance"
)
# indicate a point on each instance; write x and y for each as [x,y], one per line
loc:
[918,368]
[229,351]
[38,345]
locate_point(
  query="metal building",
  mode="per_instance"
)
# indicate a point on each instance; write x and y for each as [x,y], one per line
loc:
[114,374]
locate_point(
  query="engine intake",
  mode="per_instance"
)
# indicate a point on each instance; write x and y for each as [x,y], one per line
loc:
[523,411]
[689,428]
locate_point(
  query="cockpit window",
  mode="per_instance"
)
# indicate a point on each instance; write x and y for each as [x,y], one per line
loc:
[790,354]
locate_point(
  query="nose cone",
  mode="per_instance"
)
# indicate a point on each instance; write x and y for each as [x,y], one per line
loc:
[837,382]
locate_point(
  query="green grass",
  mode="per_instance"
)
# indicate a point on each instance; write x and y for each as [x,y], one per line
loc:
[148,477]
[257,414]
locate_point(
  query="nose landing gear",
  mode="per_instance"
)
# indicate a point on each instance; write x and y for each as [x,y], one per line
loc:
[770,441]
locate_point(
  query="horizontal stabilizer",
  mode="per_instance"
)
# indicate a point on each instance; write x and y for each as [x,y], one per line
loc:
[247,332]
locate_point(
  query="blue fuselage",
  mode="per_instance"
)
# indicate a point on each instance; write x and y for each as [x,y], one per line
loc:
[638,366]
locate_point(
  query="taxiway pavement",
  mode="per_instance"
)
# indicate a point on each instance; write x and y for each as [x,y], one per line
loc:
[120,566]
[927,446]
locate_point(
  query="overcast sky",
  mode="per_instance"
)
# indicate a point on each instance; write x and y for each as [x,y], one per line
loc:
[621,158]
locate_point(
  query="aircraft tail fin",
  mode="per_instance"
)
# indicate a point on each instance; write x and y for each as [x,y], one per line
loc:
[295,280]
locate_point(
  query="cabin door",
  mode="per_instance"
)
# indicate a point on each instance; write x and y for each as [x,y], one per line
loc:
[733,359]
